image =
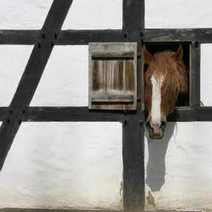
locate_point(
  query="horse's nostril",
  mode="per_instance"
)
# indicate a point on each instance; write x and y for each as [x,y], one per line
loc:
[163,125]
[156,128]
[148,124]
[156,131]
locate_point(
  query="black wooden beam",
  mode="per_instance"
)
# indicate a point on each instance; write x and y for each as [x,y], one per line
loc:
[203,114]
[78,114]
[133,126]
[203,35]
[71,114]
[195,75]
[83,37]
[133,164]
[24,37]
[133,16]
[4,112]
[32,74]
[45,114]
[185,114]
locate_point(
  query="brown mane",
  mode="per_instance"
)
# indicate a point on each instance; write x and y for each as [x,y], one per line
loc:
[170,66]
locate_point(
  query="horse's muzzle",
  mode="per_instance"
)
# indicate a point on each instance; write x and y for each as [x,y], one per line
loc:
[156,132]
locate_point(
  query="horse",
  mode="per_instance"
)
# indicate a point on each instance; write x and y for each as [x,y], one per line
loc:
[165,78]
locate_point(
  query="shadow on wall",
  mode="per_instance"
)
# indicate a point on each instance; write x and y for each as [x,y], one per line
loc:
[156,165]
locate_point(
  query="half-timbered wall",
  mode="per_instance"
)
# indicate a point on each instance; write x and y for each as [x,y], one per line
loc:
[79,162]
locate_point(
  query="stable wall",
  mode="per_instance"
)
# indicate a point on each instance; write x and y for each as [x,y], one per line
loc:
[79,165]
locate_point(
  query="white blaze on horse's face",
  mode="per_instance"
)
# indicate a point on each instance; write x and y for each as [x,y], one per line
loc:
[155,115]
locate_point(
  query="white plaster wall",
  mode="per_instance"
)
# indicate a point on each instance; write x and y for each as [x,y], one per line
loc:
[79,164]
[65,80]
[206,74]
[178,13]
[13,61]
[23,14]
[178,169]
[64,165]
[94,14]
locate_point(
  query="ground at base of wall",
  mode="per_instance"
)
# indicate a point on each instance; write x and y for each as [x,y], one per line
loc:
[76,210]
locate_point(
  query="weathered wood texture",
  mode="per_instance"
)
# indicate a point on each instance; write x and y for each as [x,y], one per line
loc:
[201,35]
[26,37]
[72,114]
[113,76]
[133,16]
[133,164]
[195,75]
[84,37]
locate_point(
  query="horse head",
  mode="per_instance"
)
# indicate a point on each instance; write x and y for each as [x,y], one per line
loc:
[165,78]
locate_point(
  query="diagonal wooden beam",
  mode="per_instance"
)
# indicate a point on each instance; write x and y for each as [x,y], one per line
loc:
[32,74]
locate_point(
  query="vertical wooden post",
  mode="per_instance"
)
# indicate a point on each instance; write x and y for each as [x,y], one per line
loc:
[133,160]
[133,129]
[195,75]
[133,16]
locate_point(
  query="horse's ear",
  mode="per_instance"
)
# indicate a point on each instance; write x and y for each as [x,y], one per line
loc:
[148,57]
[179,53]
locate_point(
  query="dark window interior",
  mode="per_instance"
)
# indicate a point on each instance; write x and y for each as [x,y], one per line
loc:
[154,47]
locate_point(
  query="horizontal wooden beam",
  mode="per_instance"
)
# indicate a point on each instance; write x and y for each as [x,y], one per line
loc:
[72,114]
[83,114]
[21,37]
[201,35]
[187,114]
[83,37]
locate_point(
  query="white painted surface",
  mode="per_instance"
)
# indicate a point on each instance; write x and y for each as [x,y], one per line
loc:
[65,80]
[94,14]
[12,65]
[23,14]
[178,13]
[156,101]
[206,74]
[63,165]
[179,169]
[80,165]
